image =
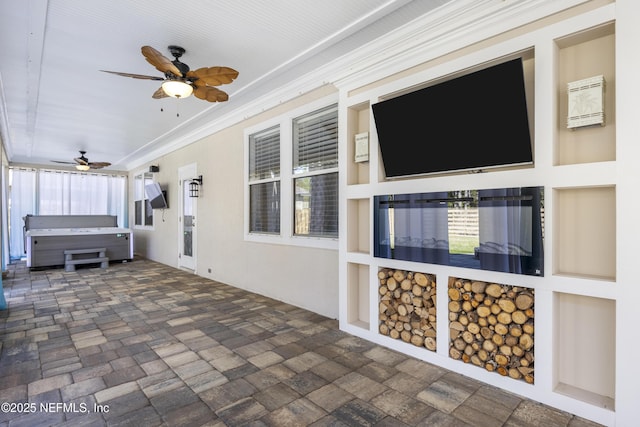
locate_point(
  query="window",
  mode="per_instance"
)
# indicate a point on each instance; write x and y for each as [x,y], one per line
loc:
[315,167]
[264,179]
[292,187]
[143,214]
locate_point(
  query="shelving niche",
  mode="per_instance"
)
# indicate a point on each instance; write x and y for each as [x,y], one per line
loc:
[358,218]
[358,295]
[586,54]
[357,122]
[585,232]
[585,348]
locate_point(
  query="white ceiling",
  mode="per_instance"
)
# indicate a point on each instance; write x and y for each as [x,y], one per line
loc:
[54,100]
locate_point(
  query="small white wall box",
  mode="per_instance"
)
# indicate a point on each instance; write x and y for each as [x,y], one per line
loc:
[586,102]
[362,147]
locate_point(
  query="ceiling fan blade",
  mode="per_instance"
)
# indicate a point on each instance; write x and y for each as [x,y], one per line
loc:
[98,165]
[160,93]
[63,163]
[211,94]
[135,76]
[161,63]
[214,76]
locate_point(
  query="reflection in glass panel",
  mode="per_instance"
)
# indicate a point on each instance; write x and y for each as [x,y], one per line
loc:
[138,212]
[187,220]
[316,205]
[497,229]
[462,218]
[148,213]
[264,208]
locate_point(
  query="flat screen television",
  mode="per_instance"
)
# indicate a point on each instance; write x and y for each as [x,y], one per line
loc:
[471,122]
[157,197]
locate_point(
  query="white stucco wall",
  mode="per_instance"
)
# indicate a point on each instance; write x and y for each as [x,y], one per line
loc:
[305,277]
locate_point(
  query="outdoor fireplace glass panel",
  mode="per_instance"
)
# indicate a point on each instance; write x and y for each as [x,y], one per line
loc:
[495,229]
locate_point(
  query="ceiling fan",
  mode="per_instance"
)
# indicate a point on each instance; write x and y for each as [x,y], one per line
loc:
[179,81]
[83,164]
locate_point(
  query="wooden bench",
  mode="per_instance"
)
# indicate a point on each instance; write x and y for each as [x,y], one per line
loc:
[70,263]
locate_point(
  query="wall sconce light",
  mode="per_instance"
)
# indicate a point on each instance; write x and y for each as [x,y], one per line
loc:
[194,186]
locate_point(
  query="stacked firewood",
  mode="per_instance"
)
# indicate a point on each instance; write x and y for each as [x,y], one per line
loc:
[407,309]
[492,325]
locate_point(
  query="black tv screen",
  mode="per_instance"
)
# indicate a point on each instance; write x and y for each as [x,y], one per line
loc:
[156,196]
[472,122]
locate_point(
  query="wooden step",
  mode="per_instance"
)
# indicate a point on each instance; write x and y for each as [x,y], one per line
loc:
[87,260]
[84,251]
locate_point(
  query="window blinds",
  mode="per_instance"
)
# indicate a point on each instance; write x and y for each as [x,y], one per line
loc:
[315,141]
[264,154]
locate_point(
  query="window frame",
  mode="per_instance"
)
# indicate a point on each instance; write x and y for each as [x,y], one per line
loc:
[287,180]
[261,180]
[300,172]
[140,178]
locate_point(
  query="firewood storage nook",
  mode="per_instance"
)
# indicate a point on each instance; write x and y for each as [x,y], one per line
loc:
[492,326]
[408,307]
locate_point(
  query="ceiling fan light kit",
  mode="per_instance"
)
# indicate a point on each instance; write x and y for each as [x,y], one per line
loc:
[177,89]
[83,168]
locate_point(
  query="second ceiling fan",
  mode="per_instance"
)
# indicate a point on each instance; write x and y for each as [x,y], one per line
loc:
[82,163]
[179,81]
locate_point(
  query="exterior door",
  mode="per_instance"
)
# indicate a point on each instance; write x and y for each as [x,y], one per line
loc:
[187,220]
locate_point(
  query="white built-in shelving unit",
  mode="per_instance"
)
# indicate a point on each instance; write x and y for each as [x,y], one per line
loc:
[577,319]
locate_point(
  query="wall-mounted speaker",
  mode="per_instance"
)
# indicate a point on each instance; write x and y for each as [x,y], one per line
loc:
[586,102]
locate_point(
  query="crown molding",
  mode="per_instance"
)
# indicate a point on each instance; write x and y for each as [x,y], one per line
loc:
[453,26]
